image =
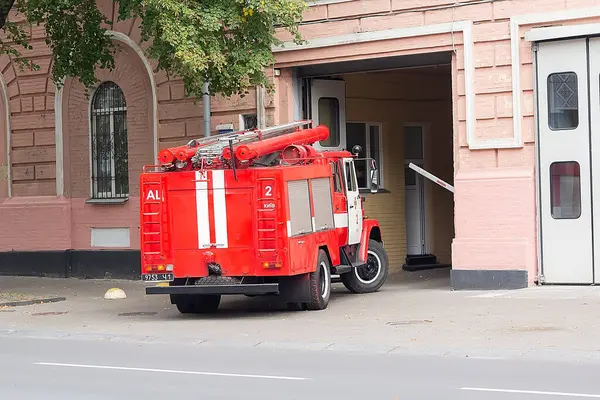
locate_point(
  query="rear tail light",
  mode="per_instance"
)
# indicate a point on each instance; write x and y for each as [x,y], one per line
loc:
[277,264]
[158,268]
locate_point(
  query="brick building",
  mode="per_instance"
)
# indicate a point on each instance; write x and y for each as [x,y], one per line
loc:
[491,96]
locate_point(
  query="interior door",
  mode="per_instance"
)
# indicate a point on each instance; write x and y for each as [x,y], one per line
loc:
[354,202]
[564,161]
[415,226]
[594,92]
[328,107]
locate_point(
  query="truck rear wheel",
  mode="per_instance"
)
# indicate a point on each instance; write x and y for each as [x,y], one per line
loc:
[203,304]
[370,277]
[320,284]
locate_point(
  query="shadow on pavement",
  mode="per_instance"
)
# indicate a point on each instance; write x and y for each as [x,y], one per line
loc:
[427,279]
[241,307]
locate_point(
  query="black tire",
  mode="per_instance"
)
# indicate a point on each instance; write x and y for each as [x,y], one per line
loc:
[204,304]
[185,307]
[320,284]
[372,276]
[296,306]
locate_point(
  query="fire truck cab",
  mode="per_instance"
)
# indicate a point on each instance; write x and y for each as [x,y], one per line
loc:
[258,212]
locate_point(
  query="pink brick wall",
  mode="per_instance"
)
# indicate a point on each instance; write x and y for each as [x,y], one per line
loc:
[67,221]
[35,223]
[130,75]
[498,178]
[495,188]
[3,147]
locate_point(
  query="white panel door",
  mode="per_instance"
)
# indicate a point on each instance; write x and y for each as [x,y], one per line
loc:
[328,107]
[415,226]
[594,91]
[564,152]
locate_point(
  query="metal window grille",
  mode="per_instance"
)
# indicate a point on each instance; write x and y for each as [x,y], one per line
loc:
[110,171]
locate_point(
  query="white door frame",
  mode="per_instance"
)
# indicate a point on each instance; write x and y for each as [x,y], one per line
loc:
[425,128]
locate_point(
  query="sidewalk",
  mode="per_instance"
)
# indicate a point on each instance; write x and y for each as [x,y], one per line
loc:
[413,313]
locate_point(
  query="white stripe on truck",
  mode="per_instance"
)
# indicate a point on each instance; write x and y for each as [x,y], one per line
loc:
[220,208]
[202,210]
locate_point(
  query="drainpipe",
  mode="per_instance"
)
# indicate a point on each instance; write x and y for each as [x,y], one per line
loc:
[260,107]
[206,104]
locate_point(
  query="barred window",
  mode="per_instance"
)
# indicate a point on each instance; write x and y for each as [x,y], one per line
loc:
[110,172]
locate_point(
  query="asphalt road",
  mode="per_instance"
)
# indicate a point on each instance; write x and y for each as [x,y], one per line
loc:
[49,369]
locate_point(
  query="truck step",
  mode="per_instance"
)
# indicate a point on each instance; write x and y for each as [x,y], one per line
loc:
[424,267]
[421,259]
[341,269]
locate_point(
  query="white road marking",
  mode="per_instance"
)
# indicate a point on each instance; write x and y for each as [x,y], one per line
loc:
[289,378]
[564,394]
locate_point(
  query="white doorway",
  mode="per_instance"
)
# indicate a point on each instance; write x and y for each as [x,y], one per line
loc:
[568,88]
[414,186]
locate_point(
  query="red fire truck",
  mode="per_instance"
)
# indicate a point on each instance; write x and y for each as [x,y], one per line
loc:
[258,212]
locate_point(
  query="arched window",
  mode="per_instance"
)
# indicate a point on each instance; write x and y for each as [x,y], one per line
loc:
[110,173]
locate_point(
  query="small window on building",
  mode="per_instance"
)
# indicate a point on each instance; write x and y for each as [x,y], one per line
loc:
[250,121]
[368,137]
[329,115]
[108,120]
[565,190]
[413,143]
[563,101]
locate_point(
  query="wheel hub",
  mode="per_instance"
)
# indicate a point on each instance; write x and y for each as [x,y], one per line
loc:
[370,271]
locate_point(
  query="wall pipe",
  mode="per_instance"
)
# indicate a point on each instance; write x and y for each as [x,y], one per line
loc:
[206,104]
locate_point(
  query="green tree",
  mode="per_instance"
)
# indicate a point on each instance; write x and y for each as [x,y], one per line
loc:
[227,41]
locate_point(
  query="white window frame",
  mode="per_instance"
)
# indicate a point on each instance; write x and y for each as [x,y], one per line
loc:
[368,125]
[92,123]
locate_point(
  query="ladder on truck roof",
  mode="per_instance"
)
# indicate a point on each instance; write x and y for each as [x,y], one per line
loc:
[214,145]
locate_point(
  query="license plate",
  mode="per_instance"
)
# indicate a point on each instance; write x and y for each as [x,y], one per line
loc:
[157,277]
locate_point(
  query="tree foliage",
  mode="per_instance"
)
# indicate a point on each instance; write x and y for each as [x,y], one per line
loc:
[228,42]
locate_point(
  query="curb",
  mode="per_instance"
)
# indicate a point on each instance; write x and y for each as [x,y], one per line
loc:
[32,302]
[405,350]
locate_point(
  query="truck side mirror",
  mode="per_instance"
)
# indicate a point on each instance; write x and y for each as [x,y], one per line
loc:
[374,176]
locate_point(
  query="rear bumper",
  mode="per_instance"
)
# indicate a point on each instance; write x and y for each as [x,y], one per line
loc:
[262,288]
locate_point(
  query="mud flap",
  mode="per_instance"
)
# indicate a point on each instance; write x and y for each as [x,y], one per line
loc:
[295,288]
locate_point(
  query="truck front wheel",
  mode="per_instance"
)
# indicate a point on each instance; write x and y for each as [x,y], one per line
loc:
[370,277]
[203,304]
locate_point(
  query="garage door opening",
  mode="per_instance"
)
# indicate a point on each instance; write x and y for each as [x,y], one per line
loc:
[398,116]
